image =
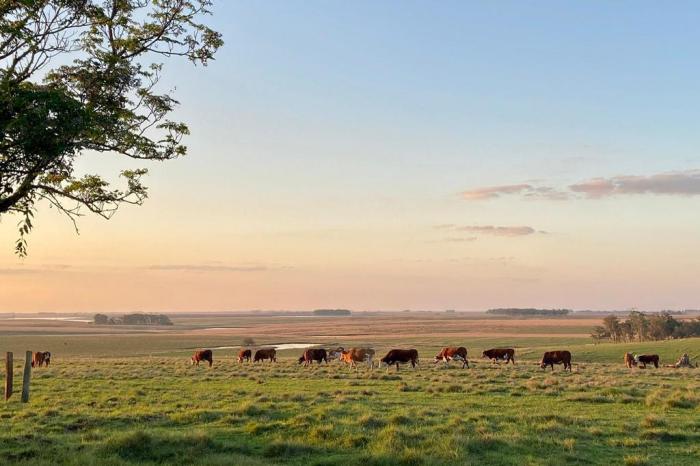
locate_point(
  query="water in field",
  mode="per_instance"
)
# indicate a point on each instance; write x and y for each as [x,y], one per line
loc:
[62,319]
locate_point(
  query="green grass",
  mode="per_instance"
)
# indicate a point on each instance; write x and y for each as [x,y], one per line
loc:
[149,410]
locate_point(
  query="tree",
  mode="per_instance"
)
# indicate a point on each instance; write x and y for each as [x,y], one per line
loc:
[101,319]
[599,333]
[612,327]
[79,76]
[639,324]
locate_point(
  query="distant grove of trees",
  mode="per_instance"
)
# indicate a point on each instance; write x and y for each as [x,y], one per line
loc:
[529,312]
[332,312]
[132,319]
[641,327]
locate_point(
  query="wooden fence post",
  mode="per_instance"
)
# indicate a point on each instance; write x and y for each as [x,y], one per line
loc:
[8,375]
[27,376]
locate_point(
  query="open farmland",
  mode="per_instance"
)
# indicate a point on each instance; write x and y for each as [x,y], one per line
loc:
[129,396]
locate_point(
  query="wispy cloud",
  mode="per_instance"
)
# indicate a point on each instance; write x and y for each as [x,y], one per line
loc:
[208,268]
[686,183]
[460,239]
[495,230]
[492,192]
[679,183]
[500,230]
[22,270]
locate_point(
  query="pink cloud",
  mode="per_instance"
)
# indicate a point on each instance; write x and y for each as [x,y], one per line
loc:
[686,183]
[491,192]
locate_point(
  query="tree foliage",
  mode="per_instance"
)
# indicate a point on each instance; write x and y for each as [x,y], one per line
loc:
[641,327]
[81,76]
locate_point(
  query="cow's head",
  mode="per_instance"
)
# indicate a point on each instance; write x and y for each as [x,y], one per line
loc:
[384,362]
[47,357]
[543,364]
[301,359]
[484,355]
[193,360]
[437,358]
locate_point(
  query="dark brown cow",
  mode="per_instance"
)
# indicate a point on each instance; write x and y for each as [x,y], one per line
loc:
[645,359]
[397,356]
[452,352]
[550,358]
[203,355]
[265,353]
[498,354]
[41,358]
[313,354]
[244,355]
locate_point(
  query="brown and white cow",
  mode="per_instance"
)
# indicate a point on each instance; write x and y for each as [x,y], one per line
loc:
[629,360]
[449,353]
[355,355]
[41,358]
[265,353]
[313,354]
[202,355]
[499,354]
[400,356]
[645,359]
[244,355]
[550,358]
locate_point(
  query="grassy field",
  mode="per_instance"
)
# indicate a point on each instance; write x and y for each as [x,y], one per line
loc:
[132,398]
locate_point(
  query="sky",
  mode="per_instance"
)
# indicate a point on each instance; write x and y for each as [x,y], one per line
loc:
[405,155]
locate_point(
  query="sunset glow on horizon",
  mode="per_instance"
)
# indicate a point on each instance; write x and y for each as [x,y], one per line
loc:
[369,157]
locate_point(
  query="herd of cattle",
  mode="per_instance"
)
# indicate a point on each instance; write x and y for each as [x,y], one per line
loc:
[394,357]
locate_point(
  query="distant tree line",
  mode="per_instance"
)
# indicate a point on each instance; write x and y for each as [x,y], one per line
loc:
[529,312]
[133,319]
[332,312]
[641,327]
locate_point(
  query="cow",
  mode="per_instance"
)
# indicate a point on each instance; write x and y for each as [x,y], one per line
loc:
[550,358]
[313,354]
[629,360]
[266,353]
[355,355]
[244,355]
[202,355]
[499,354]
[645,359]
[40,358]
[335,353]
[397,356]
[452,352]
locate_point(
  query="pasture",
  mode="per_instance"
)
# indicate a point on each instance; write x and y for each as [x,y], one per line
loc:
[131,397]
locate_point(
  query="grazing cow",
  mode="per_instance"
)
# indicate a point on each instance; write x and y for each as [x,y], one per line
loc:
[203,355]
[629,360]
[335,353]
[313,354]
[645,359]
[498,354]
[550,358]
[244,355]
[355,355]
[452,352]
[266,353]
[397,356]
[40,358]
[684,361]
